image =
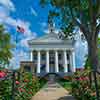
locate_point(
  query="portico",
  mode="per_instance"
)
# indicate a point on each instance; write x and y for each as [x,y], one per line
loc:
[52,55]
[60,58]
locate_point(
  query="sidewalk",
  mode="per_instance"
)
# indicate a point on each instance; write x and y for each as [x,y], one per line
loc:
[52,91]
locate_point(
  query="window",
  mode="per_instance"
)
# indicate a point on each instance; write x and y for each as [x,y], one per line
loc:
[35,56]
[43,56]
[27,68]
[68,56]
[60,56]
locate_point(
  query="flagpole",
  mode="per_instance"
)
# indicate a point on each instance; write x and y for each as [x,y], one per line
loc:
[14,71]
[19,29]
[16,52]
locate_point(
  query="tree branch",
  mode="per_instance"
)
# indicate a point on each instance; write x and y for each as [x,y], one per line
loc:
[92,19]
[83,29]
[98,7]
[81,26]
[91,10]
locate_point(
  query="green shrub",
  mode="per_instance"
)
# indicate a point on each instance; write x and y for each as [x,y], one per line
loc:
[81,88]
[42,82]
[28,86]
[5,89]
[24,89]
[66,82]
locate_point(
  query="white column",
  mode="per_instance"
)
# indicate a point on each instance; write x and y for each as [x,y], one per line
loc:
[65,62]
[47,61]
[73,61]
[70,61]
[38,62]
[56,61]
[31,55]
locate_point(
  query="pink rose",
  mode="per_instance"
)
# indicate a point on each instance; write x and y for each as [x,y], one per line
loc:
[17,82]
[2,74]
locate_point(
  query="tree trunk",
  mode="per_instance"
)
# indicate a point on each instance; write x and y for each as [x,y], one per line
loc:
[93,55]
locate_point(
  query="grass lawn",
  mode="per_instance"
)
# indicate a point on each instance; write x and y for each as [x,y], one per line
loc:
[42,82]
[66,84]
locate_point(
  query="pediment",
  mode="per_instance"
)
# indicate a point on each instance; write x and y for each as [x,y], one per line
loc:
[52,38]
[46,38]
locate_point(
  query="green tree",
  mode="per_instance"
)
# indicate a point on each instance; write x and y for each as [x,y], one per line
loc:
[5,46]
[84,14]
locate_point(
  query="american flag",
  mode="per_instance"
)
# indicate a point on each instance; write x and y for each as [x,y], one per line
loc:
[20,29]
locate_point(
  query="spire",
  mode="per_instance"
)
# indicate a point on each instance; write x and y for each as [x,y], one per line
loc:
[50,24]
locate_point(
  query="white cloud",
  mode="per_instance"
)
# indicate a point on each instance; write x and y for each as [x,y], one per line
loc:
[6,19]
[81,50]
[16,59]
[8,4]
[3,14]
[33,11]
[24,42]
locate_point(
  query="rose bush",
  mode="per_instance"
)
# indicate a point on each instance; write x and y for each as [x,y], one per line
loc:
[81,87]
[5,86]
[2,74]
[27,87]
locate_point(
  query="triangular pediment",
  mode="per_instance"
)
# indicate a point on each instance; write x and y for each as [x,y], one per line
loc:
[51,38]
[47,38]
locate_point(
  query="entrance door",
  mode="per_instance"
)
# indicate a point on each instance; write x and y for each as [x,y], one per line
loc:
[52,68]
[52,62]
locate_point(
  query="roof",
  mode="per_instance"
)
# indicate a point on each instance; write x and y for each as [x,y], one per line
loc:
[49,38]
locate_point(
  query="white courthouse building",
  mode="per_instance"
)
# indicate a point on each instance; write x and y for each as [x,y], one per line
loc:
[50,54]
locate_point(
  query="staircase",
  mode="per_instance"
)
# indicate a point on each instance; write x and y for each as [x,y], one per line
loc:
[52,77]
[59,74]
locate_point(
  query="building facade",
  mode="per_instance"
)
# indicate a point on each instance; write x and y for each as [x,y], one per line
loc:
[50,54]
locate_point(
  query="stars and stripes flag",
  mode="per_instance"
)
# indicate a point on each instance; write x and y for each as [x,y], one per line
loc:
[20,29]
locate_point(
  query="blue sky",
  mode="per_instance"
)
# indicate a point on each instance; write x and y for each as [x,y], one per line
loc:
[33,18]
